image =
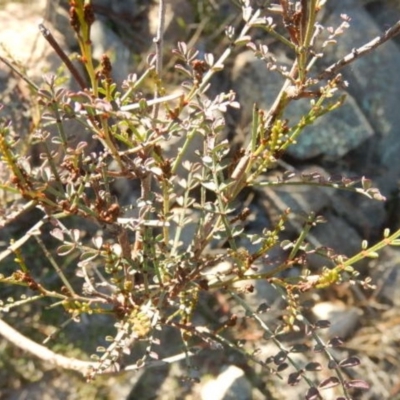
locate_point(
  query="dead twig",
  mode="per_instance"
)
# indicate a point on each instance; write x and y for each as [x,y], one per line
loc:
[84,367]
[360,52]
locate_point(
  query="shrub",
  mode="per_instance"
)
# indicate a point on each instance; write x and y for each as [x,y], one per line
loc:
[143,267]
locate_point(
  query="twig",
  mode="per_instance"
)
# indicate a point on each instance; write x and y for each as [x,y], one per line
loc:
[18,243]
[360,52]
[84,367]
[159,42]
[20,74]
[53,43]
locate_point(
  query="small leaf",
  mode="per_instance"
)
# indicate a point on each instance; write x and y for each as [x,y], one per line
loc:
[269,360]
[335,342]
[210,186]
[280,357]
[299,348]
[209,59]
[318,348]
[117,249]
[154,355]
[312,394]
[329,383]
[88,256]
[282,367]
[75,235]
[243,40]
[357,384]
[322,324]
[58,234]
[247,11]
[286,244]
[262,308]
[332,364]
[143,104]
[350,362]
[366,183]
[313,366]
[98,241]
[294,378]
[207,160]
[65,249]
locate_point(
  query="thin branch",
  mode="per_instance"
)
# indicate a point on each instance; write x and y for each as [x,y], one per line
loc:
[159,42]
[20,74]
[360,52]
[18,243]
[53,43]
[84,367]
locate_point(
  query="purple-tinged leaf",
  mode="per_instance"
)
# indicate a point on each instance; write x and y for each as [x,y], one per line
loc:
[313,366]
[350,362]
[269,360]
[318,348]
[58,234]
[282,367]
[322,324]
[335,342]
[154,355]
[280,357]
[295,377]
[357,384]
[299,348]
[329,383]
[312,394]
[262,308]
[332,364]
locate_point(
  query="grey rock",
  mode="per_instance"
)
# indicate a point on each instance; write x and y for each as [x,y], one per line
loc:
[176,11]
[231,384]
[386,277]
[105,41]
[336,234]
[301,199]
[373,79]
[363,213]
[343,319]
[331,135]
[124,6]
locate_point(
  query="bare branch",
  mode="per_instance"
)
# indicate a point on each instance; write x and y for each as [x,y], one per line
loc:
[360,52]
[159,42]
[18,243]
[53,43]
[84,367]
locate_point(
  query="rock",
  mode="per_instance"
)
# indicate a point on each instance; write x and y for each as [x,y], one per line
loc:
[367,216]
[386,277]
[124,6]
[301,199]
[343,319]
[328,136]
[385,13]
[373,79]
[179,14]
[105,41]
[22,39]
[336,234]
[231,384]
